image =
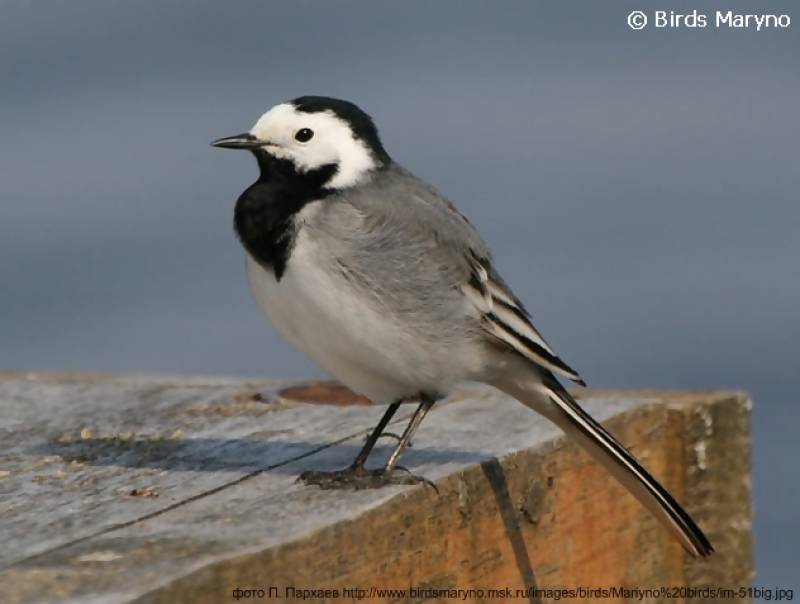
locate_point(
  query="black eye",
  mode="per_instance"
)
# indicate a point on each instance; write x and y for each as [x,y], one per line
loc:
[304,135]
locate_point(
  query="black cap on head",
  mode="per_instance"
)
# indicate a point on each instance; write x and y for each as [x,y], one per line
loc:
[360,123]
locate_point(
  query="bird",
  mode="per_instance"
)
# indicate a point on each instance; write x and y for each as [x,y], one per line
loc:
[386,285]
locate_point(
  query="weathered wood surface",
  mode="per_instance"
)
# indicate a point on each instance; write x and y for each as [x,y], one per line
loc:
[175,489]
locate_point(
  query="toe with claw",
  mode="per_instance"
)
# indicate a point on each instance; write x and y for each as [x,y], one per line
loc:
[358,478]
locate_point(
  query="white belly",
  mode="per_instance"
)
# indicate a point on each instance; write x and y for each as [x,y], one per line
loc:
[347,335]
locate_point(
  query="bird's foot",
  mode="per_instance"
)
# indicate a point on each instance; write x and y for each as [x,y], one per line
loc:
[359,477]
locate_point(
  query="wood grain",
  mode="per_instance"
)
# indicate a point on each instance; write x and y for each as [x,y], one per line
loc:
[173,489]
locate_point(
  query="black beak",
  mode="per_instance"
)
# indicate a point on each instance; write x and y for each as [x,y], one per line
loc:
[240,141]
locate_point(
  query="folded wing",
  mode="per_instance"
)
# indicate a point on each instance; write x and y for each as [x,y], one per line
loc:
[506,320]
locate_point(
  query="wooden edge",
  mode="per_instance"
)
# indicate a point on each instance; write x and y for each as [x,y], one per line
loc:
[542,518]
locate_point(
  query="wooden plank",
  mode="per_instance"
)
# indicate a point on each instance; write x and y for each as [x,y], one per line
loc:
[203,498]
[78,457]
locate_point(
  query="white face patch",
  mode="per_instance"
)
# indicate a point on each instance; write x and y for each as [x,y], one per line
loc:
[332,142]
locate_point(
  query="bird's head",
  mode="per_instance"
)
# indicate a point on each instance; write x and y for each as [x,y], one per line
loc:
[317,135]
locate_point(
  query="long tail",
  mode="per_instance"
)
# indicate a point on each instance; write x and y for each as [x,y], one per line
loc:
[549,398]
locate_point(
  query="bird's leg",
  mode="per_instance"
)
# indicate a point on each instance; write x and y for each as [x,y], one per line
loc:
[361,458]
[424,406]
[328,479]
[358,477]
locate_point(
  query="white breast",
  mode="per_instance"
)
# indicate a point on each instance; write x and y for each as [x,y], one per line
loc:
[317,311]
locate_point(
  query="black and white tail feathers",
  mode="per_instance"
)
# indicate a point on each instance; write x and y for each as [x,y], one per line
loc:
[548,397]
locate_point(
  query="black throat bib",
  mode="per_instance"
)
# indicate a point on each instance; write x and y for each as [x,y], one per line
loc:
[264,217]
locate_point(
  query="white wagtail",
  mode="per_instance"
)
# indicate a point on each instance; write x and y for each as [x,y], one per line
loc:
[386,285]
